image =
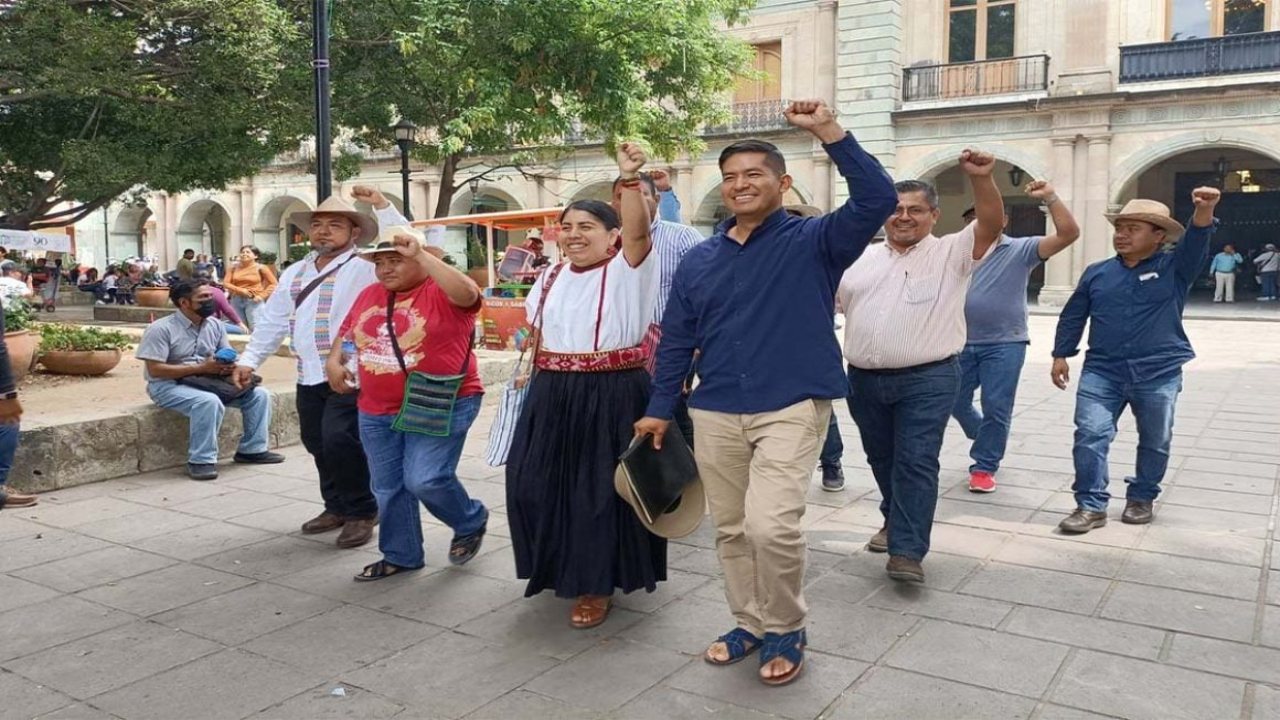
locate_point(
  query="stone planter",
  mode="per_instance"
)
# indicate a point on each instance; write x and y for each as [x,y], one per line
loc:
[157,297]
[22,346]
[80,362]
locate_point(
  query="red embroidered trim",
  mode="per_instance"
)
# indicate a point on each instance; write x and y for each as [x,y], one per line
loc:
[604,282]
[607,361]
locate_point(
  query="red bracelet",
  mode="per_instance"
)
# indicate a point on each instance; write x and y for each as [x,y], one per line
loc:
[630,184]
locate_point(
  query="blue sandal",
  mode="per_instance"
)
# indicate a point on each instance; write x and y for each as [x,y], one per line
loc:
[789,647]
[736,641]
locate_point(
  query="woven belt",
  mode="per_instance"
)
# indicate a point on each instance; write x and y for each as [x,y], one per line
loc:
[606,361]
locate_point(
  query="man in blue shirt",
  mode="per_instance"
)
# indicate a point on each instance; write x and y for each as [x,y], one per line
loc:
[995,314]
[1137,347]
[1223,268]
[757,300]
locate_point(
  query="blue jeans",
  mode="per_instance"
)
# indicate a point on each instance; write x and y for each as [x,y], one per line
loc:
[205,411]
[9,435]
[246,308]
[902,416]
[1268,283]
[1099,402]
[408,468]
[832,447]
[994,368]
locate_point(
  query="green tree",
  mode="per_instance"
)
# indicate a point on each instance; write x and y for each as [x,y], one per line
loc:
[482,78]
[99,98]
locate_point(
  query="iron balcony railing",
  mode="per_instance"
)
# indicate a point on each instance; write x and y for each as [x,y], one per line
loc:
[1202,57]
[1005,76]
[753,117]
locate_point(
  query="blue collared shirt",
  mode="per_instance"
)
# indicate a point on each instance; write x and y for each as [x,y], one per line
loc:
[1135,314]
[760,312]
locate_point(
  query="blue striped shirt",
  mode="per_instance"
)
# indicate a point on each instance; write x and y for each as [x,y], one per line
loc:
[670,241]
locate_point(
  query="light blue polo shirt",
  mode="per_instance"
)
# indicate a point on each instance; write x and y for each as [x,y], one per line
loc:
[995,309]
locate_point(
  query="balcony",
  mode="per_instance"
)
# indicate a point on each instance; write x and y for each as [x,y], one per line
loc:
[1202,57]
[752,117]
[955,81]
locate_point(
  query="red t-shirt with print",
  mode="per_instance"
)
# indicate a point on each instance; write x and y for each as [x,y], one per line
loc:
[433,334]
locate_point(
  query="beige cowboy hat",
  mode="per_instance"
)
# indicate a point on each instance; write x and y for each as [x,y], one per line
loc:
[1148,211]
[804,211]
[335,205]
[677,522]
[430,241]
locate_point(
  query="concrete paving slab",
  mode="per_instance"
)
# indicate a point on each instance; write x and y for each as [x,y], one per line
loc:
[34,628]
[242,615]
[340,640]
[140,526]
[26,699]
[1179,610]
[202,540]
[993,660]
[609,674]
[1037,586]
[94,568]
[540,625]
[1202,576]
[1104,683]
[1087,632]
[889,692]
[1226,658]
[15,593]
[320,703]
[1217,544]
[824,680]
[164,589]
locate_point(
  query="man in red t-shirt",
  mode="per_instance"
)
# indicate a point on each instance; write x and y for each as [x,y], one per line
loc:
[429,330]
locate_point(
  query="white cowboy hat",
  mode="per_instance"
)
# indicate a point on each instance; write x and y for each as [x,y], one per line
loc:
[1149,211]
[386,241]
[676,522]
[335,205]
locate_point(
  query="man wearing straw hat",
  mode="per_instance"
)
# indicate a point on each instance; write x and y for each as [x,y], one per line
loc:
[1137,348]
[309,305]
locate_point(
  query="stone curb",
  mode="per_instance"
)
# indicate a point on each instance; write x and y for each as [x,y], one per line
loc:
[141,437]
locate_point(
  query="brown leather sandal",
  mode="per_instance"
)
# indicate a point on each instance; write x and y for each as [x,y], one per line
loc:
[593,610]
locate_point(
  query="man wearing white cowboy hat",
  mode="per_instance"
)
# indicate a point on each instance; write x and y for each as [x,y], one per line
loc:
[1137,347]
[308,306]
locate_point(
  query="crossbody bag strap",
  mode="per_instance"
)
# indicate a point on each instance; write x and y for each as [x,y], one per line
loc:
[315,283]
[552,274]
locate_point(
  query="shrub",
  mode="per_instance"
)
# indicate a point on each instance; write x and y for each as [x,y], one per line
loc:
[58,337]
[17,314]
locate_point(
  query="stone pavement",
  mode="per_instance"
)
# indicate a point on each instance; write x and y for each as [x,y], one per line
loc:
[157,597]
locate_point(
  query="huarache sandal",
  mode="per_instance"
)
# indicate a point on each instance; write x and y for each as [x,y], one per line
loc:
[740,643]
[789,647]
[379,570]
[16,500]
[465,547]
[592,611]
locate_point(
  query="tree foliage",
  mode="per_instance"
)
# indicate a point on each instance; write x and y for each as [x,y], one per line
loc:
[98,97]
[481,77]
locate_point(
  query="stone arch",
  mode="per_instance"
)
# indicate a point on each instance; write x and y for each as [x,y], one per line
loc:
[1126,173]
[127,235]
[272,230]
[938,161]
[204,225]
[488,198]
[601,190]
[711,210]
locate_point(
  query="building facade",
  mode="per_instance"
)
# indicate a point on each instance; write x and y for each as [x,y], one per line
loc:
[1107,99]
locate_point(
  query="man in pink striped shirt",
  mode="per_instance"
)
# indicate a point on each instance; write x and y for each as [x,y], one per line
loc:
[904,327]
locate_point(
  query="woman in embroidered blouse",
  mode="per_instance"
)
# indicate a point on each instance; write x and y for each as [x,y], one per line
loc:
[249,283]
[571,532]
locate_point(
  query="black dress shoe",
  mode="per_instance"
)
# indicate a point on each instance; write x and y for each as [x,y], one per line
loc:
[1137,512]
[262,458]
[202,471]
[1082,521]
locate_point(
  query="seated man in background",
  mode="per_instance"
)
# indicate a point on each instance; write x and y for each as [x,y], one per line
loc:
[186,345]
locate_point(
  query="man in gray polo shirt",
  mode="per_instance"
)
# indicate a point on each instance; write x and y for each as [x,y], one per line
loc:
[184,344]
[996,316]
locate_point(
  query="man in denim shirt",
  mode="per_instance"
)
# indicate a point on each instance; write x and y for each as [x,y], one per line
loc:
[1137,347]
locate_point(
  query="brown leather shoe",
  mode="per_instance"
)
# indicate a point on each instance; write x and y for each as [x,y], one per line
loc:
[1082,521]
[1137,512]
[879,542]
[9,498]
[322,523]
[904,569]
[356,532]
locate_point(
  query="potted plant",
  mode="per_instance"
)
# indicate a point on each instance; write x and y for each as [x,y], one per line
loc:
[75,350]
[152,291]
[18,338]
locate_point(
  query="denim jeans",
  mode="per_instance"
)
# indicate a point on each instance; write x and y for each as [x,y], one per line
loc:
[1099,402]
[832,447]
[902,416]
[994,368]
[9,434]
[408,468]
[246,308]
[205,411]
[1268,283]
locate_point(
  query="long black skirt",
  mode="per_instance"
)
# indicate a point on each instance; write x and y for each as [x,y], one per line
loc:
[571,532]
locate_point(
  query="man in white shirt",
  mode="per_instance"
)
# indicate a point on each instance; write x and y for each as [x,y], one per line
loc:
[308,306]
[904,327]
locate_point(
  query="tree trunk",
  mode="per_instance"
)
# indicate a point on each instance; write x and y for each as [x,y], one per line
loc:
[448,171]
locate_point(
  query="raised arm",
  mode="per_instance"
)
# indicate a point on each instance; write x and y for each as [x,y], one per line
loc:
[844,234]
[668,203]
[987,203]
[1192,249]
[1065,229]
[635,213]
[460,289]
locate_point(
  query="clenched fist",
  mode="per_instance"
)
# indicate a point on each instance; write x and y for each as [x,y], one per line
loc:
[976,163]
[631,157]
[1205,200]
[371,195]
[1040,190]
[816,117]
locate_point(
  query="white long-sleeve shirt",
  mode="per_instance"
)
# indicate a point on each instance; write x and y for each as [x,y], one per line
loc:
[271,325]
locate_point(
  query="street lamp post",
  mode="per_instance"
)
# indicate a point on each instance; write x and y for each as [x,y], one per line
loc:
[320,66]
[405,131]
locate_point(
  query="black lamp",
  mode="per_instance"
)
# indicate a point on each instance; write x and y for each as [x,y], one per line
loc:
[1016,176]
[405,132]
[1221,167]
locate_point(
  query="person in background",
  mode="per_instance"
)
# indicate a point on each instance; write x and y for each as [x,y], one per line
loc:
[1223,268]
[996,325]
[419,318]
[249,284]
[1268,264]
[52,284]
[225,312]
[14,282]
[668,202]
[185,344]
[1133,304]
[109,287]
[127,282]
[10,428]
[204,266]
[187,265]
[533,243]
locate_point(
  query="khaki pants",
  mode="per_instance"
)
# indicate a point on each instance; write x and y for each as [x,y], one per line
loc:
[1224,285]
[756,470]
